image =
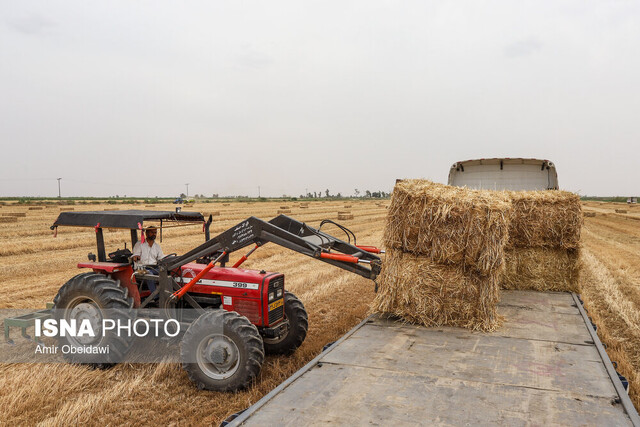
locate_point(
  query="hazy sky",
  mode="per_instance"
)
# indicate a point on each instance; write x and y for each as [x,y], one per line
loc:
[139,98]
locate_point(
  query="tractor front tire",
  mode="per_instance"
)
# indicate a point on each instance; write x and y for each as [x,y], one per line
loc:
[295,313]
[91,296]
[222,351]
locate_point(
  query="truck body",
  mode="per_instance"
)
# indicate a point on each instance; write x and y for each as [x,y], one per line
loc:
[504,174]
[544,366]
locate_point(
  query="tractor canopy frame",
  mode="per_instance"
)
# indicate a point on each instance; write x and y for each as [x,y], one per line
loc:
[127,219]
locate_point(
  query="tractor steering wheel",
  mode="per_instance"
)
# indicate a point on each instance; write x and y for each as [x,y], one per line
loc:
[167,256]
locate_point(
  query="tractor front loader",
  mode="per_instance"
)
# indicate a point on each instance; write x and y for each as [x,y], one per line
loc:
[230,316]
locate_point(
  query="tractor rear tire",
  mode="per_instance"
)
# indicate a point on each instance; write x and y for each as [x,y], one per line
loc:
[222,351]
[296,314]
[90,294]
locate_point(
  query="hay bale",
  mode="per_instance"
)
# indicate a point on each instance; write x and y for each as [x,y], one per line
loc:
[590,214]
[284,207]
[449,225]
[421,291]
[622,211]
[548,218]
[347,206]
[225,204]
[15,214]
[542,269]
[36,208]
[149,206]
[304,207]
[345,215]
[112,209]
[8,219]
[66,209]
[283,211]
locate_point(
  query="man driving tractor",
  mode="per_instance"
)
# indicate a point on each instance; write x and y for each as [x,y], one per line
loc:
[146,255]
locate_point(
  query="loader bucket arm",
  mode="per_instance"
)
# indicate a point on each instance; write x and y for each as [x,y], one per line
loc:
[291,234]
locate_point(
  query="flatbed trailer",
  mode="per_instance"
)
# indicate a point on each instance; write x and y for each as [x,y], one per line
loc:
[544,366]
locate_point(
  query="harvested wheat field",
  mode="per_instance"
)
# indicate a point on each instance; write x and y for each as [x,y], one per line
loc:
[34,264]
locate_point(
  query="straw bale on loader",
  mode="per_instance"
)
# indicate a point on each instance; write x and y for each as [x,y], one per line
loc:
[445,251]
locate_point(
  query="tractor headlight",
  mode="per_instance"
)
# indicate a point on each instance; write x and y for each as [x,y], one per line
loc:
[271,295]
[279,293]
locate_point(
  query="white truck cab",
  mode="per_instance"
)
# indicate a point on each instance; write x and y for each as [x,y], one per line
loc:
[504,174]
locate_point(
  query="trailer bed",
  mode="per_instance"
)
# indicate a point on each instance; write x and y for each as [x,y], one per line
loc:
[545,365]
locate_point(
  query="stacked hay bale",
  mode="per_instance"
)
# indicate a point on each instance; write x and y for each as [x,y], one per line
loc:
[445,251]
[543,252]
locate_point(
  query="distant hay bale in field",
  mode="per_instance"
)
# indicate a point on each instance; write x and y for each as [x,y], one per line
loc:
[284,207]
[225,204]
[421,291]
[284,211]
[542,269]
[149,206]
[215,213]
[345,215]
[15,214]
[188,206]
[547,218]
[8,219]
[622,211]
[36,208]
[63,208]
[112,209]
[449,225]
[590,214]
[347,206]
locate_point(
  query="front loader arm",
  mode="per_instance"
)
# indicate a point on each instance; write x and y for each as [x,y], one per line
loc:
[291,234]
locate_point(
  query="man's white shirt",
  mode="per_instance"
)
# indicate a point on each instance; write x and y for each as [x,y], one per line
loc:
[149,255]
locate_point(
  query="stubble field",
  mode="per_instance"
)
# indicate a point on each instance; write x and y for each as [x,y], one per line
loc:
[33,265]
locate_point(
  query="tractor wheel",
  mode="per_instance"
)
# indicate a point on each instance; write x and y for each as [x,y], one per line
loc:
[222,351]
[91,296]
[295,313]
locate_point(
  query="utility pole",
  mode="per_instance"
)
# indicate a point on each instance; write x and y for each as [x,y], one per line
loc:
[59,194]
[187,190]
[258,191]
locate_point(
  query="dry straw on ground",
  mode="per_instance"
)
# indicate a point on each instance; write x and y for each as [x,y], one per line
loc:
[284,211]
[8,219]
[449,225]
[15,214]
[421,291]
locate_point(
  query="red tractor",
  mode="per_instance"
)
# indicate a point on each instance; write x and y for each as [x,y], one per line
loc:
[239,314]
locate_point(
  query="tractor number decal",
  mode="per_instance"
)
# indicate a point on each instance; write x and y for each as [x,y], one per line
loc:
[224,283]
[276,304]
